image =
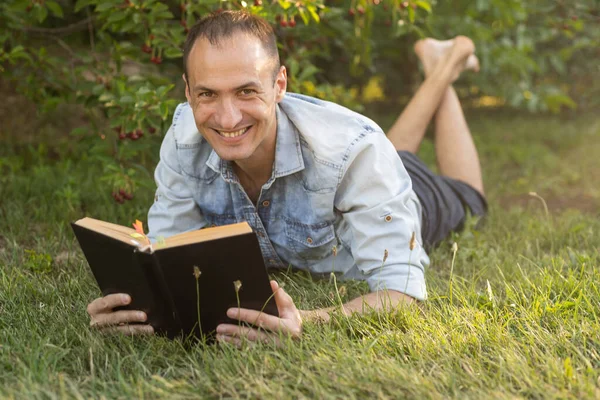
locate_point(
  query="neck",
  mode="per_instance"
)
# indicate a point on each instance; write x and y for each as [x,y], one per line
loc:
[255,171]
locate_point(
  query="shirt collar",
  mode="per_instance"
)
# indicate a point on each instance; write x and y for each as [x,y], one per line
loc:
[288,153]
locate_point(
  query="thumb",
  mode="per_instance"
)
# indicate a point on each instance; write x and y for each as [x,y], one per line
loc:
[282,299]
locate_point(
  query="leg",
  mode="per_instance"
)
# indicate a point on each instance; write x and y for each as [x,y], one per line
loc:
[455,151]
[443,61]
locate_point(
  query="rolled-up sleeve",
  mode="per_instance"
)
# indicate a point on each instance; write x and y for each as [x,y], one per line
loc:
[174,209]
[381,213]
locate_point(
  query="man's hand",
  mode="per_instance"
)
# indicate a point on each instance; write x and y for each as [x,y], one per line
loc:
[105,319]
[268,328]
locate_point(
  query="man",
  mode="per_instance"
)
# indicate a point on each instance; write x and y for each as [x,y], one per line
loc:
[315,181]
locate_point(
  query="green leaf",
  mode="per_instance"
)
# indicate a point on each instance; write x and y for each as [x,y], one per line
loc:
[284,4]
[424,5]
[127,99]
[116,17]
[173,52]
[82,3]
[313,12]
[303,15]
[164,110]
[80,131]
[42,14]
[55,8]
[411,15]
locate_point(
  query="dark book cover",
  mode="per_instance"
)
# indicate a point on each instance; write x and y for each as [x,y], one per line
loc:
[165,286]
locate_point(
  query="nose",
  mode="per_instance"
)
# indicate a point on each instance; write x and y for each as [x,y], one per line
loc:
[228,114]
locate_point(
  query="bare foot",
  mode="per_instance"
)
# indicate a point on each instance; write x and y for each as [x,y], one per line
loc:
[458,51]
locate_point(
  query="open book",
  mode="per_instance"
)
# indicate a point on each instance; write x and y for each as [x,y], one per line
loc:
[192,275]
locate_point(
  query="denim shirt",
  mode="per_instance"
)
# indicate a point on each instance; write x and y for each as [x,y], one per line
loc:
[338,200]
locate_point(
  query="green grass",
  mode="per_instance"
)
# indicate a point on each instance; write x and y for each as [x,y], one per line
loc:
[523,320]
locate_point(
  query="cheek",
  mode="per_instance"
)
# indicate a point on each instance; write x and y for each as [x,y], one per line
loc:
[257,110]
[202,114]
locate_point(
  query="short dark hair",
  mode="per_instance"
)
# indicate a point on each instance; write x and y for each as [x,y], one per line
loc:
[219,25]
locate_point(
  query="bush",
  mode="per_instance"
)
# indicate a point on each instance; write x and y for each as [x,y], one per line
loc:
[120,60]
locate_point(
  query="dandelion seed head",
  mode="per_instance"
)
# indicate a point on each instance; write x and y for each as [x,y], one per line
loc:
[454,247]
[237,285]
[385,255]
[197,272]
[413,241]
[334,249]
[533,194]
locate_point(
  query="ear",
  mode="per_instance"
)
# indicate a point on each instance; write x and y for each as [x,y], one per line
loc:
[188,95]
[281,83]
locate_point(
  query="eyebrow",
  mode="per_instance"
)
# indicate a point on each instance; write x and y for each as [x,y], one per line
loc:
[199,88]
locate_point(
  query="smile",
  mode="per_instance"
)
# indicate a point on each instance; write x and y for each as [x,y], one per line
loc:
[234,133]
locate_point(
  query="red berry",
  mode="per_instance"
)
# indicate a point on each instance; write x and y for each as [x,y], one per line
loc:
[283,23]
[29,8]
[146,49]
[278,17]
[152,130]
[351,12]
[565,27]
[122,136]
[404,4]
[574,18]
[258,3]
[385,7]
[151,37]
[218,11]
[292,23]
[182,6]
[158,60]
[139,133]
[360,9]
[134,136]
[129,134]
[122,192]
[183,23]
[128,196]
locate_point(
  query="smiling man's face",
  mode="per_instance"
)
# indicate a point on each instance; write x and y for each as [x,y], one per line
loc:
[233,94]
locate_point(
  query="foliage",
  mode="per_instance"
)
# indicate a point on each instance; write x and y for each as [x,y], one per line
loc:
[523,321]
[119,60]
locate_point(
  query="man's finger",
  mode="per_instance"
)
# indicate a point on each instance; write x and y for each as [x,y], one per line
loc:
[118,317]
[107,303]
[254,335]
[129,330]
[256,318]
[282,299]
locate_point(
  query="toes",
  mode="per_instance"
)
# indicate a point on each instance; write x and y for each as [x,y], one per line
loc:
[472,63]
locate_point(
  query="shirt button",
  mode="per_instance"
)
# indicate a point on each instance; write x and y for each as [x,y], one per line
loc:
[309,240]
[388,218]
[266,203]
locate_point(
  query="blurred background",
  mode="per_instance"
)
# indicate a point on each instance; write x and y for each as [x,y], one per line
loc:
[89,86]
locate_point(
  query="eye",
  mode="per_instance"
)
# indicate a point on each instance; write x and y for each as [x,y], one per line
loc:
[247,92]
[205,94]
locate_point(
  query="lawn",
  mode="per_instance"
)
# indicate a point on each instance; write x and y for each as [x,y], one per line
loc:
[516,315]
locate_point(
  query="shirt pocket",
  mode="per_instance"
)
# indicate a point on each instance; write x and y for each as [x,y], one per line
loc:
[219,219]
[310,242]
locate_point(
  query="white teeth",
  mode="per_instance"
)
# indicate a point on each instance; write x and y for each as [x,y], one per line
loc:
[233,134]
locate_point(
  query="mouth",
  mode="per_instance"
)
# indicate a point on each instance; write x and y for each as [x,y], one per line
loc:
[233,134]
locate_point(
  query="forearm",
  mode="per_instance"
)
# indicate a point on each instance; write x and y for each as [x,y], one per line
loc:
[383,300]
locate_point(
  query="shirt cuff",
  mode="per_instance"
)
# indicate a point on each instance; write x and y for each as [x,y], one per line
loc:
[407,279]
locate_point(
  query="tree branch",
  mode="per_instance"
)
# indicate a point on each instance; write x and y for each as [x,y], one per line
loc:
[65,30]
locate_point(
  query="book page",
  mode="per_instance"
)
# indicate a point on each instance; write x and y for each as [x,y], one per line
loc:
[127,235]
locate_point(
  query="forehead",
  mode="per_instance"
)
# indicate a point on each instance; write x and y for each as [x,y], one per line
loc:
[239,57]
